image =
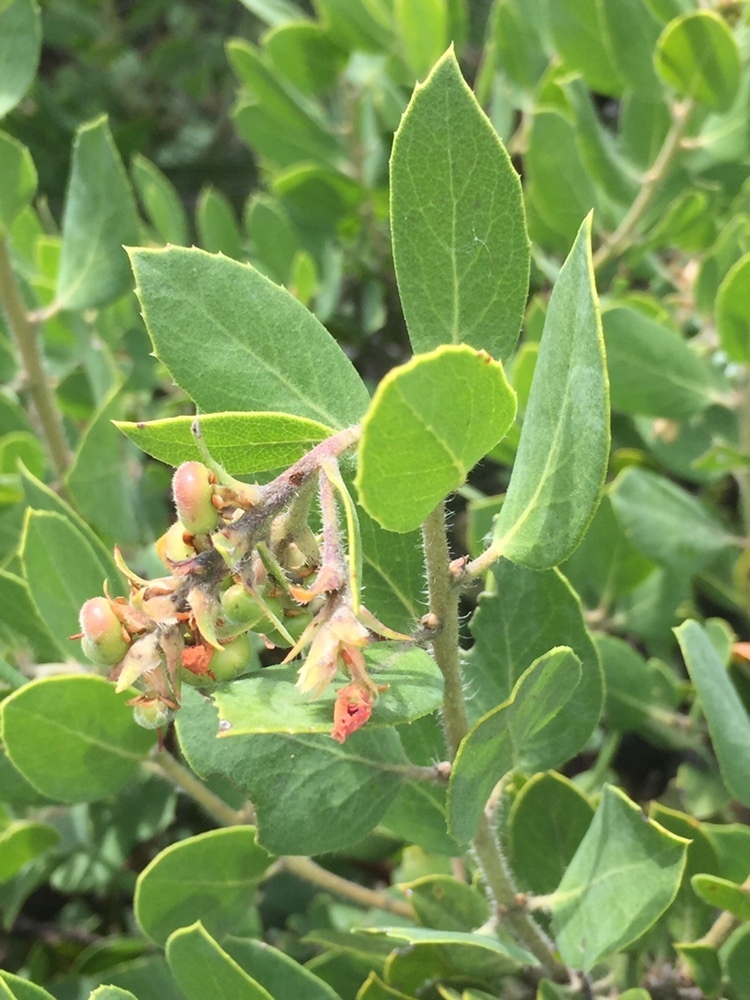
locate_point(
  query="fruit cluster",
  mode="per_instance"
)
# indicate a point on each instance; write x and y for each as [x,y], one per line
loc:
[240,558]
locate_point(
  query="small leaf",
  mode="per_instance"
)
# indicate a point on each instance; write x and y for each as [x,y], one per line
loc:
[212,876]
[303,52]
[17,176]
[243,443]
[623,876]
[99,217]
[562,457]
[21,842]
[459,236]
[160,200]
[728,721]
[267,351]
[203,969]
[275,971]
[698,56]
[665,523]
[576,27]
[298,782]
[392,574]
[271,702]
[73,738]
[443,903]
[20,43]
[21,989]
[540,726]
[630,35]
[472,946]
[422,27]
[23,619]
[216,223]
[111,993]
[733,311]
[445,410]
[723,894]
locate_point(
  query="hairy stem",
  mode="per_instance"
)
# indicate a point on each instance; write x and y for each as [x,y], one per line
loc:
[620,238]
[24,334]
[445,644]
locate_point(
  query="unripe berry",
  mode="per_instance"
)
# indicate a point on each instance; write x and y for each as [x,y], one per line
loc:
[172,547]
[152,714]
[192,490]
[103,641]
[233,659]
[240,607]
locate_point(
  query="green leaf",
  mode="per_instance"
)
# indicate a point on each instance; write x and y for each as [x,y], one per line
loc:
[456,948]
[17,176]
[459,236]
[21,989]
[22,618]
[547,822]
[538,727]
[242,442]
[274,240]
[703,966]
[666,523]
[270,702]
[651,369]
[275,971]
[392,574]
[562,456]
[723,894]
[211,876]
[21,842]
[733,311]
[267,351]
[728,721]
[99,217]
[623,876]
[521,617]
[303,52]
[640,695]
[422,28]
[444,410]
[736,961]
[160,200]
[297,783]
[444,903]
[20,43]
[630,35]
[111,993]
[698,56]
[203,969]
[577,33]
[374,988]
[519,41]
[218,231]
[61,569]
[73,738]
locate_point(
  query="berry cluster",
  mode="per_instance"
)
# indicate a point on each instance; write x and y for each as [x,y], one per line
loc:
[242,558]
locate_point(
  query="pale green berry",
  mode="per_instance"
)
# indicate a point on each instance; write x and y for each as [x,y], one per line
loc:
[152,714]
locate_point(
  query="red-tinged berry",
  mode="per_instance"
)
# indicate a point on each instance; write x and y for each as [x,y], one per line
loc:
[103,641]
[193,492]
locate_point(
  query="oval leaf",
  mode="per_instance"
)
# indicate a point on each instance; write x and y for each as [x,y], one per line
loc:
[243,443]
[21,842]
[445,410]
[73,738]
[20,43]
[211,876]
[733,311]
[17,176]
[272,703]
[203,969]
[624,875]
[698,56]
[267,351]
[723,894]
[459,233]
[728,721]
[562,456]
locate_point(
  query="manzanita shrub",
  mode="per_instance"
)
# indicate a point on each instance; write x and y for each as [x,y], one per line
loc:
[455,634]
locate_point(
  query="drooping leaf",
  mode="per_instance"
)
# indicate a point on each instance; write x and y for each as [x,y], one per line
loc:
[521,617]
[73,738]
[728,720]
[298,782]
[211,877]
[540,726]
[562,457]
[203,969]
[446,409]
[459,235]
[99,218]
[20,43]
[548,820]
[17,176]
[243,443]
[623,876]
[267,351]
[698,56]
[666,523]
[270,701]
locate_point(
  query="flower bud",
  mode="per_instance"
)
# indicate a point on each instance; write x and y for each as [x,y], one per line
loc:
[192,490]
[103,640]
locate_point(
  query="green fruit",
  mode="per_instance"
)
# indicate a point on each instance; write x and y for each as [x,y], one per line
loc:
[171,547]
[152,714]
[233,659]
[103,641]
[193,492]
[240,608]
